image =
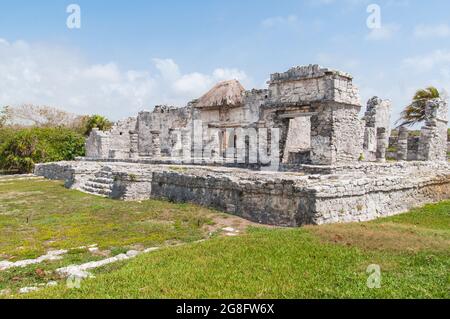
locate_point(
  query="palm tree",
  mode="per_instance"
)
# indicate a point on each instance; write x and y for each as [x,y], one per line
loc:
[415,112]
[96,121]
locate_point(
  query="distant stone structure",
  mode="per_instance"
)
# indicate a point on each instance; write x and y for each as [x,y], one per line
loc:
[292,154]
[433,137]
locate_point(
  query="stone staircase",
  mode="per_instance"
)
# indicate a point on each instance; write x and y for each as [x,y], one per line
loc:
[101,184]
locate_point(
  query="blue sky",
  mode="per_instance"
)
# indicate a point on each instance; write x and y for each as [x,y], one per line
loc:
[131,55]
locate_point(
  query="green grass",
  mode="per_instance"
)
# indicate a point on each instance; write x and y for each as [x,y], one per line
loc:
[413,251]
[36,216]
[292,263]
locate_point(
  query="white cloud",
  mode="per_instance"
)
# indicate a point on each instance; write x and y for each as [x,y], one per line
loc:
[428,61]
[386,32]
[58,77]
[435,31]
[272,22]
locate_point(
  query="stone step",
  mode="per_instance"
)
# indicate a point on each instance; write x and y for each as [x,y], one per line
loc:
[95,185]
[104,174]
[96,191]
[102,180]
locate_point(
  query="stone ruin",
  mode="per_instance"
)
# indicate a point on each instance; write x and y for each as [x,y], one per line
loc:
[295,153]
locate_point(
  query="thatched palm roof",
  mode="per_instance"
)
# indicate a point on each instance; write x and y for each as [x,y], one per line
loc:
[223,94]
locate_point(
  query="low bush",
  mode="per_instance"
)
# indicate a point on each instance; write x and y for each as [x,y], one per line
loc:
[20,150]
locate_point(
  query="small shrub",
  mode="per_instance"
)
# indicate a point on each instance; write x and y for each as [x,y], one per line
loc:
[361,157]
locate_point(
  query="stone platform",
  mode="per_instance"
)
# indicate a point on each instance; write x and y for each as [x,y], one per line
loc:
[351,193]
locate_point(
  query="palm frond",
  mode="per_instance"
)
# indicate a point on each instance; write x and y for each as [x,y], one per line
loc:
[415,112]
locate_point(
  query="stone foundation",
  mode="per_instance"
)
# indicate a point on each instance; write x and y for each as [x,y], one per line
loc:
[347,194]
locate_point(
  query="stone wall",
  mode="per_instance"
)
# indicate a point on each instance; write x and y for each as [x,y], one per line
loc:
[355,194]
[98,144]
[347,134]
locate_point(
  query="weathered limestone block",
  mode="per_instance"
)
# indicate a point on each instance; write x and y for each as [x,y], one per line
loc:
[120,134]
[347,136]
[370,143]
[155,144]
[98,144]
[382,144]
[134,144]
[433,137]
[312,83]
[402,144]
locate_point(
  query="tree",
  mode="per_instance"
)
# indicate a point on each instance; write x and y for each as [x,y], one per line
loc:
[415,112]
[97,121]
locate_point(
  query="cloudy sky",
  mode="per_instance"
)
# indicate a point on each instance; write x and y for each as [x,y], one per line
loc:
[132,55]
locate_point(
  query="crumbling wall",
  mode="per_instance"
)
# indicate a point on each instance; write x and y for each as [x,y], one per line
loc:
[313,84]
[163,119]
[120,134]
[347,145]
[252,102]
[332,102]
[298,138]
[98,144]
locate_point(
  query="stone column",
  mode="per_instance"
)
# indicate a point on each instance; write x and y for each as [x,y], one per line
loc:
[155,150]
[134,144]
[402,144]
[377,116]
[433,136]
[382,139]
[186,142]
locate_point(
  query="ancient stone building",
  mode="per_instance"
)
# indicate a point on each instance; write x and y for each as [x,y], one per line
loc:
[295,153]
[316,111]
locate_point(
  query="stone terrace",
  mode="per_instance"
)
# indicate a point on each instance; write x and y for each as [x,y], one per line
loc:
[285,199]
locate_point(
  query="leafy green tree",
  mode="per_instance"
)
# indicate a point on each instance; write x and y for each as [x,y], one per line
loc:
[96,121]
[26,147]
[415,112]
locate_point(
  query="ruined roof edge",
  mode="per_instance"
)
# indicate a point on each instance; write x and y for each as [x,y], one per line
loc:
[307,72]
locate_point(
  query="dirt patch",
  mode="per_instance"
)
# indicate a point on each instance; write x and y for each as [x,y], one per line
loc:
[382,237]
[221,221]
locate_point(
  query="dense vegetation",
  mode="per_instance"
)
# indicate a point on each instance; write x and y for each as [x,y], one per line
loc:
[21,149]
[32,134]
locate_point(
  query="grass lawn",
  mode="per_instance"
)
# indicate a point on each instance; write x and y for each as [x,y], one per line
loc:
[413,250]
